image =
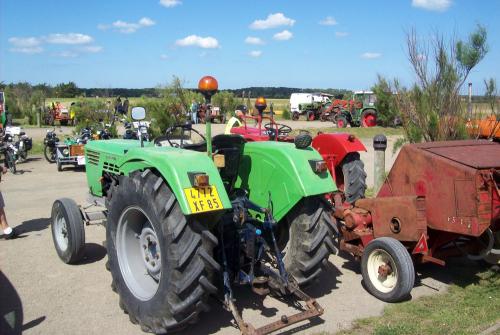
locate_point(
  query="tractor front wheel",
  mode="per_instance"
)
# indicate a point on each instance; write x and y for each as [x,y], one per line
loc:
[295,116]
[387,269]
[160,260]
[368,118]
[68,231]
[310,116]
[341,122]
[310,240]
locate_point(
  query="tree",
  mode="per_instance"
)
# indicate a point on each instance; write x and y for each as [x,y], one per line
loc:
[491,94]
[67,90]
[387,113]
[431,109]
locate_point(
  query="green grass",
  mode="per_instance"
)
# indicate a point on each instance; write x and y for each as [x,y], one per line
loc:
[37,148]
[357,131]
[468,307]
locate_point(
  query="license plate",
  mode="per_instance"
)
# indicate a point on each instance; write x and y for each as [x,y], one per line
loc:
[80,160]
[203,199]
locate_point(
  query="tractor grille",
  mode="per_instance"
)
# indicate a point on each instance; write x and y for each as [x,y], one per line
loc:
[109,167]
[92,157]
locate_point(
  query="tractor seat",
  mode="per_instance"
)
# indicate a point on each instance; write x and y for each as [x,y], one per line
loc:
[231,146]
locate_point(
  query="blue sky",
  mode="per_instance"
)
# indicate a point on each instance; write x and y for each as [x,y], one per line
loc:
[315,43]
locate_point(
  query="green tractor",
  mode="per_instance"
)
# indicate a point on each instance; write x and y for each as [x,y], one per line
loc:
[185,221]
[360,111]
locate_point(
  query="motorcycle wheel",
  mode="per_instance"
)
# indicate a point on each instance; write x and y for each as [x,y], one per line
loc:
[50,154]
[11,162]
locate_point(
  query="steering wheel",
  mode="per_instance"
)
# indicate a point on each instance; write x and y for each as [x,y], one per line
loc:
[283,129]
[170,131]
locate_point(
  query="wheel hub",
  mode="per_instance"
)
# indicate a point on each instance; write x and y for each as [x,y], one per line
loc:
[150,252]
[384,270]
[61,232]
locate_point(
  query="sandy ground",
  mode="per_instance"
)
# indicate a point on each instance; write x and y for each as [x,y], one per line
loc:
[54,298]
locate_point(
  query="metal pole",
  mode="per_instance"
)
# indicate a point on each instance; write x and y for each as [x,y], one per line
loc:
[208,127]
[469,105]
[380,145]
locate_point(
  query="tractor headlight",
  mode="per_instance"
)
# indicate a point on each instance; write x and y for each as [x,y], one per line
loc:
[318,165]
[65,152]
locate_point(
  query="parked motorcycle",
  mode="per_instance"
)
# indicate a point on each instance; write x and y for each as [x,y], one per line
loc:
[15,146]
[50,143]
[132,130]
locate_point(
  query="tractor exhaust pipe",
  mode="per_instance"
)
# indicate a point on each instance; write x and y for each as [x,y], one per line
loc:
[380,145]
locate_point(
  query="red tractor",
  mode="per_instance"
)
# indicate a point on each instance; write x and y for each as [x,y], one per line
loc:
[58,112]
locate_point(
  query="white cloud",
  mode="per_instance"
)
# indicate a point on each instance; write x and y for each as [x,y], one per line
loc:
[66,54]
[146,22]
[371,55]
[254,40]
[435,5]
[71,38]
[170,3]
[341,34]
[128,27]
[272,21]
[91,49]
[255,53]
[328,21]
[25,42]
[285,35]
[27,50]
[198,41]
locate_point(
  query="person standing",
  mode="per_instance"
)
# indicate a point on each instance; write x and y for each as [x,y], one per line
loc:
[8,232]
[194,111]
[125,106]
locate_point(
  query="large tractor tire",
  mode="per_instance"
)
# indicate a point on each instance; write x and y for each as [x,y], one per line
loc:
[68,230]
[160,260]
[310,240]
[369,118]
[387,269]
[353,170]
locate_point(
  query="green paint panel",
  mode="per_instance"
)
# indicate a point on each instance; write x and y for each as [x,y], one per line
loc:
[283,170]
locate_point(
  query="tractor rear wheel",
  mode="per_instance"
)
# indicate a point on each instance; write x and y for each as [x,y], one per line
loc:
[341,121]
[310,240]
[368,118]
[353,170]
[160,260]
[295,116]
[387,269]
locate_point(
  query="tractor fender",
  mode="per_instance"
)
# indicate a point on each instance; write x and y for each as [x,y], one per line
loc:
[281,170]
[175,165]
[334,147]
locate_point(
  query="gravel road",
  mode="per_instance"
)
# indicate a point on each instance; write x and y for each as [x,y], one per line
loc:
[55,298]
